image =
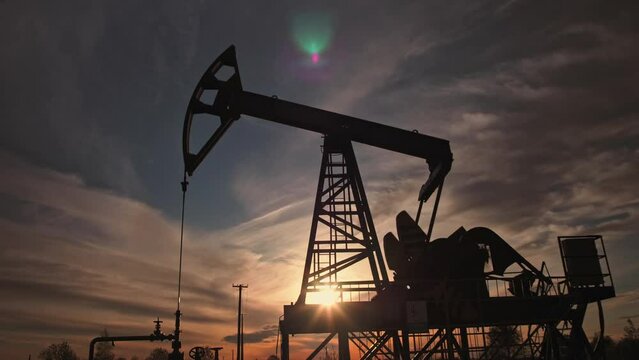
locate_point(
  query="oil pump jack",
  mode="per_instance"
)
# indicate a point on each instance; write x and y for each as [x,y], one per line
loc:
[470,295]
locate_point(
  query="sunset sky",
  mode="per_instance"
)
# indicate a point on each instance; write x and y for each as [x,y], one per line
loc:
[539,100]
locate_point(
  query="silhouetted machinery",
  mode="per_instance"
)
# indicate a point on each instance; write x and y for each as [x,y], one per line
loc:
[452,267]
[470,295]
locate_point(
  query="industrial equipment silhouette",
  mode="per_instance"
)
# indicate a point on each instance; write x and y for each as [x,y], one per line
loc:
[446,294]
[466,296]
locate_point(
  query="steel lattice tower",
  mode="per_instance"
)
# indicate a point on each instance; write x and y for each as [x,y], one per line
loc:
[343,255]
[342,232]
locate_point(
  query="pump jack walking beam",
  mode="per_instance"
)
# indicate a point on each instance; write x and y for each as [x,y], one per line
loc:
[231,101]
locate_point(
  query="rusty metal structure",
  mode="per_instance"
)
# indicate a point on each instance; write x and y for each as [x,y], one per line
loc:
[467,296]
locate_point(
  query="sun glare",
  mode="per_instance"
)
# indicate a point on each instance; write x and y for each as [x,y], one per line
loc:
[327,297]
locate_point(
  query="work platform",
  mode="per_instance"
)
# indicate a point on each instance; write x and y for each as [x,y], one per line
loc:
[544,313]
[426,315]
[431,319]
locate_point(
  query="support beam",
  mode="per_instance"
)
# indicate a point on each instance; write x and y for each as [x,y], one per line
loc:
[405,345]
[344,351]
[284,346]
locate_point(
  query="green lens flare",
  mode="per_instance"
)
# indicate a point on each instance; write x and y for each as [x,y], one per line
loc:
[312,32]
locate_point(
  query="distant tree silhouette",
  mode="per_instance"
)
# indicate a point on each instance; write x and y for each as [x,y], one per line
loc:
[104,350]
[503,341]
[158,354]
[328,354]
[62,351]
[628,346]
[209,353]
[630,331]
[608,345]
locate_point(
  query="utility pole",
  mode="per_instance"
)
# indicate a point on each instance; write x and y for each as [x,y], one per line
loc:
[240,350]
[242,337]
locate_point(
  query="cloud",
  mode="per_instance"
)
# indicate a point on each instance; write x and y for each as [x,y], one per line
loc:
[98,260]
[266,332]
[538,102]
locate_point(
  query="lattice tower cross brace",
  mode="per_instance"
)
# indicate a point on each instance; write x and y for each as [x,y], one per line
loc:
[341,208]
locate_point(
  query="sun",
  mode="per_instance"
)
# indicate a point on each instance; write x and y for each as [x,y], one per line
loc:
[327,297]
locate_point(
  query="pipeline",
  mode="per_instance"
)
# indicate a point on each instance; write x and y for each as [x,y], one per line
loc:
[112,339]
[157,335]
